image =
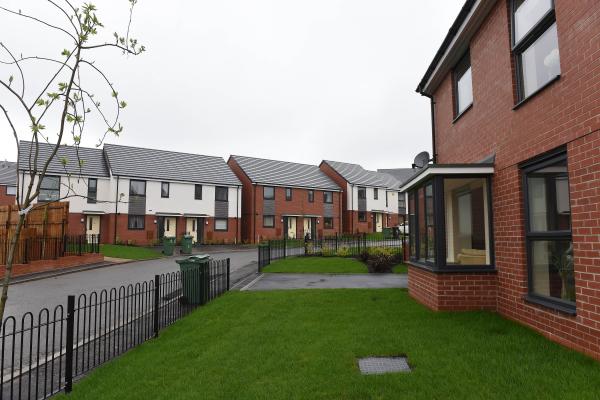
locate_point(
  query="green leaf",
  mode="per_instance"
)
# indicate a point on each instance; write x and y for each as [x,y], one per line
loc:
[66,53]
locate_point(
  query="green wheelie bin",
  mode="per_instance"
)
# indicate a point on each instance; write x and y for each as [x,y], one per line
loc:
[193,277]
[186,244]
[168,245]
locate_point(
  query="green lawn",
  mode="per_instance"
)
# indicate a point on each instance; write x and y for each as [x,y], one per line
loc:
[129,252]
[324,265]
[304,345]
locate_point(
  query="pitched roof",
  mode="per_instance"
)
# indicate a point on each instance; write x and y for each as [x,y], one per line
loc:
[93,160]
[283,173]
[138,162]
[357,175]
[8,173]
[400,174]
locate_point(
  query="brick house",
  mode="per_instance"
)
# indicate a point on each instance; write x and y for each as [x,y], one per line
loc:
[369,199]
[137,195]
[8,183]
[507,217]
[284,198]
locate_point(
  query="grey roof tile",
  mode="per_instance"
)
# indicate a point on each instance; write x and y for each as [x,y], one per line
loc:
[357,175]
[138,162]
[94,163]
[283,173]
[8,173]
[401,174]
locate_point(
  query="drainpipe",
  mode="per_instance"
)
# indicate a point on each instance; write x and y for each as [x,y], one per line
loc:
[352,209]
[116,210]
[432,103]
[254,214]
[237,214]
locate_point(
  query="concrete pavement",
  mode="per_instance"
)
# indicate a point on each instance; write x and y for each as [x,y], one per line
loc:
[277,281]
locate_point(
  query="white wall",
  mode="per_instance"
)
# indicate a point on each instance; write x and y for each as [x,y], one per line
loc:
[372,204]
[181,197]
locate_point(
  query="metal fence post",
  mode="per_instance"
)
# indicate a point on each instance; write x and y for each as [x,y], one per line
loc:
[69,344]
[228,270]
[79,243]
[284,245]
[269,247]
[156,304]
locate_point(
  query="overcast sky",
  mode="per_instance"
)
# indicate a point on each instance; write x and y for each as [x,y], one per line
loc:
[292,80]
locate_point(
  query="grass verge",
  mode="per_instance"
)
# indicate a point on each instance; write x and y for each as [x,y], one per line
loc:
[317,265]
[129,252]
[304,345]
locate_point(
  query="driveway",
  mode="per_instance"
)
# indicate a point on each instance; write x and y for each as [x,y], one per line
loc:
[327,281]
[50,292]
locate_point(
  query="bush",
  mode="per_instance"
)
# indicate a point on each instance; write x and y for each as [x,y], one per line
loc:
[344,252]
[381,259]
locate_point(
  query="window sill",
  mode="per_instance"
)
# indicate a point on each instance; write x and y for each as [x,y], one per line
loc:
[453,270]
[564,308]
[538,91]
[463,112]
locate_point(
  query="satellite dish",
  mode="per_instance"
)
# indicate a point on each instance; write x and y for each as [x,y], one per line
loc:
[421,160]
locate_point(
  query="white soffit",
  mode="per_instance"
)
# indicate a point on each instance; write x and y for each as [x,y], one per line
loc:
[447,171]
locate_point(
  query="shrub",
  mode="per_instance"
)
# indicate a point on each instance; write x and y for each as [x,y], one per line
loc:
[381,259]
[344,252]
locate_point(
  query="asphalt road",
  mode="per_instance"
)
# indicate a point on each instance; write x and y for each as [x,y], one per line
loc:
[50,292]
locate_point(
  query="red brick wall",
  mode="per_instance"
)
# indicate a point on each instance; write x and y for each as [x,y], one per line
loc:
[453,291]
[6,200]
[565,113]
[248,189]
[51,265]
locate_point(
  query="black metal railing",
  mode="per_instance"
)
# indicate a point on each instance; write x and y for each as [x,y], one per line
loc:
[338,245]
[49,248]
[41,354]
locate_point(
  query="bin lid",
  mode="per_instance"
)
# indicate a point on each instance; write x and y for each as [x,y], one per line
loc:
[194,259]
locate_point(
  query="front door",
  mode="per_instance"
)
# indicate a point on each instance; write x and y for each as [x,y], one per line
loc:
[194,227]
[291,227]
[92,225]
[378,217]
[308,232]
[170,227]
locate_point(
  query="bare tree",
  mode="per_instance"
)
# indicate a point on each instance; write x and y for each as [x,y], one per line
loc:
[64,99]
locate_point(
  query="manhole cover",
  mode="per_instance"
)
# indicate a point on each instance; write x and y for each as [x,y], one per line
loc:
[383,365]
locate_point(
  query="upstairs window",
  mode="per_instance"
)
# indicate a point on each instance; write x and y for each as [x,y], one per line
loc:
[311,196]
[137,188]
[92,194]
[362,193]
[463,85]
[11,190]
[288,194]
[375,193]
[401,203]
[535,45]
[164,190]
[327,197]
[221,193]
[269,193]
[198,192]
[49,189]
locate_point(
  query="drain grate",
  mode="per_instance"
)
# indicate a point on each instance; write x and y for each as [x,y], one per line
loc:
[382,365]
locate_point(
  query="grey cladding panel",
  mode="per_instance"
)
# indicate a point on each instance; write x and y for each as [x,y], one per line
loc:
[221,209]
[269,207]
[362,204]
[137,205]
[328,210]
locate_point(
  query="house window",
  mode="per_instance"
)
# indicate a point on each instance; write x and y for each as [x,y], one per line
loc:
[198,192]
[268,193]
[412,224]
[375,193]
[535,44]
[137,188]
[362,193]
[426,225]
[268,221]
[221,193]
[92,194]
[221,224]
[135,222]
[311,196]
[463,85]
[327,197]
[328,222]
[49,189]
[386,199]
[401,203]
[288,194]
[362,216]
[11,190]
[548,230]
[164,190]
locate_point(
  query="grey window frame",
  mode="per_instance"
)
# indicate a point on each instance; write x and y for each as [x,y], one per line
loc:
[527,168]
[196,188]
[402,199]
[92,195]
[364,215]
[311,196]
[129,219]
[268,226]
[288,194]
[226,225]
[50,189]
[460,69]
[528,39]
[327,193]
[136,194]
[11,194]
[222,189]
[265,195]
[375,194]
[362,189]
[162,193]
[325,225]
